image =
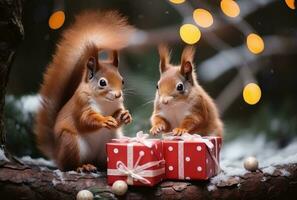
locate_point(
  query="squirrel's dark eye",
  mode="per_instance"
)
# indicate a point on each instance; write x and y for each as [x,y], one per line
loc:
[102,82]
[180,87]
[123,82]
[157,87]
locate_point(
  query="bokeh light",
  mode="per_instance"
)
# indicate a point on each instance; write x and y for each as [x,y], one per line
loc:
[252,93]
[291,4]
[203,18]
[230,8]
[56,20]
[255,43]
[177,1]
[189,33]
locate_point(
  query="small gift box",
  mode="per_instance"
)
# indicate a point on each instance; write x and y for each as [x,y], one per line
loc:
[138,160]
[191,157]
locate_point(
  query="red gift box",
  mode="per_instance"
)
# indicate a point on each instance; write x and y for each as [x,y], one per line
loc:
[138,161]
[191,157]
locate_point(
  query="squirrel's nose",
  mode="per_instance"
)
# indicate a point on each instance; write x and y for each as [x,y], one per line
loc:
[165,99]
[117,94]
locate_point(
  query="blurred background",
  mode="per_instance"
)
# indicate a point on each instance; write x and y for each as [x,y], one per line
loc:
[245,59]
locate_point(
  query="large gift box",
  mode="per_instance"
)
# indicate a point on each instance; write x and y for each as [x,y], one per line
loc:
[138,160]
[191,157]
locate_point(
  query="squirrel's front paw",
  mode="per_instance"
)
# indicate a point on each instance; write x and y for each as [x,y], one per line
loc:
[109,122]
[157,129]
[125,117]
[179,131]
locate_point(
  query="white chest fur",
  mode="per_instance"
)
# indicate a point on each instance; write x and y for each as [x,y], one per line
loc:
[92,145]
[175,113]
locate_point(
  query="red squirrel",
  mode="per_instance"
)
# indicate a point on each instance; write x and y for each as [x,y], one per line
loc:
[181,105]
[82,101]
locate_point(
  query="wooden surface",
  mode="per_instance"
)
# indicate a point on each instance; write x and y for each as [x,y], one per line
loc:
[34,182]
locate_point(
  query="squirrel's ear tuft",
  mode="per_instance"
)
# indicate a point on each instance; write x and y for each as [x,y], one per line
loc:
[164,58]
[187,57]
[92,66]
[115,58]
[188,54]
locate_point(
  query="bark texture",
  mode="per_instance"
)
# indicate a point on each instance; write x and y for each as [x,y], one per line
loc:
[11,34]
[33,182]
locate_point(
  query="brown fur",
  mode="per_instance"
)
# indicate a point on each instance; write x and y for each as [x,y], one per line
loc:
[65,112]
[191,110]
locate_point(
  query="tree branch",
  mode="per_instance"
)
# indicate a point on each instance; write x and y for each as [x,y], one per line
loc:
[32,182]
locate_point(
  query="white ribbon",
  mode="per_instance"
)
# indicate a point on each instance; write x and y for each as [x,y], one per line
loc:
[139,172]
[190,137]
[140,138]
[186,137]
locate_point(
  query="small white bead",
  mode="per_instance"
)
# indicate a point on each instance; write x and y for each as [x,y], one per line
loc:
[170,148]
[141,153]
[84,195]
[170,168]
[188,159]
[188,178]
[199,169]
[116,150]
[199,148]
[119,187]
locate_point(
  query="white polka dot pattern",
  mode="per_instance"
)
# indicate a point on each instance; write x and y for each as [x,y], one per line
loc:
[188,178]
[199,148]
[199,169]
[141,153]
[170,168]
[188,159]
[116,150]
[170,148]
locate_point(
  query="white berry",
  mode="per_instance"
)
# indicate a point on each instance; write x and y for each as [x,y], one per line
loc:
[84,195]
[251,163]
[119,187]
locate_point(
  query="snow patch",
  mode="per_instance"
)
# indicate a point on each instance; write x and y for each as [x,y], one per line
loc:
[2,156]
[267,153]
[37,161]
[211,188]
[59,177]
[284,172]
[269,170]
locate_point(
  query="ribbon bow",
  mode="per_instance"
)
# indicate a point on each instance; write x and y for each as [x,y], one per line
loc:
[137,172]
[190,137]
[140,138]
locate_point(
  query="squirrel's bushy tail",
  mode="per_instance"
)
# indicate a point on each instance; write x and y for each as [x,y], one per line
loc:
[102,30]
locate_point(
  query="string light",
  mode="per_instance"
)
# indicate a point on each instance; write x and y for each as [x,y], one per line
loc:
[177,1]
[56,20]
[252,93]
[230,8]
[203,18]
[255,43]
[291,4]
[189,33]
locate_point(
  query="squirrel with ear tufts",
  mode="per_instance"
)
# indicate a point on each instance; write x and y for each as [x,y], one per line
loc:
[181,104]
[81,95]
